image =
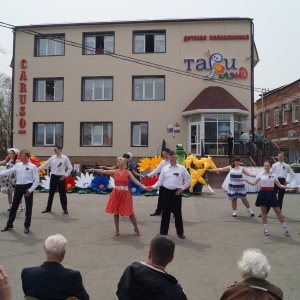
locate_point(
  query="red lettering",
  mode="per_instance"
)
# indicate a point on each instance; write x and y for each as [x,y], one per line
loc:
[22,123]
[22,99]
[185,39]
[23,76]
[23,63]
[22,131]
[244,72]
[22,111]
[22,87]
[238,75]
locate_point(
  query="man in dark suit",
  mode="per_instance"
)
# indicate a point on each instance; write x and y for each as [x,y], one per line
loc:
[52,281]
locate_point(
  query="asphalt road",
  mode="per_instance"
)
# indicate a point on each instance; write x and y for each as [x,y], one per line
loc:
[205,262]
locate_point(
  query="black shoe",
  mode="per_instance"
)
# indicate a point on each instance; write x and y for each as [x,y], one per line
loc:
[252,215]
[7,227]
[46,211]
[26,230]
[181,236]
[66,212]
[155,214]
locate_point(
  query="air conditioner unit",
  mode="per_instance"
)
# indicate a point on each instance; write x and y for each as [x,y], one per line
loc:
[287,107]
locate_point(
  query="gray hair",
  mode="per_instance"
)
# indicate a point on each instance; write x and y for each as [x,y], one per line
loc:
[55,245]
[255,264]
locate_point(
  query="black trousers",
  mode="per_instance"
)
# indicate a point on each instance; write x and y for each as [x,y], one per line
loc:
[55,182]
[160,199]
[280,192]
[171,203]
[20,190]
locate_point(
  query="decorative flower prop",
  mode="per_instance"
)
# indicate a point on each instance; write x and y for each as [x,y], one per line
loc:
[135,189]
[70,183]
[99,184]
[196,176]
[84,181]
[144,164]
[111,182]
[155,161]
[43,172]
[45,184]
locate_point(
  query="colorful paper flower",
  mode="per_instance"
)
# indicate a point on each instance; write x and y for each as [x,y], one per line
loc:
[196,176]
[149,181]
[70,183]
[155,161]
[46,183]
[84,181]
[144,164]
[99,183]
[135,189]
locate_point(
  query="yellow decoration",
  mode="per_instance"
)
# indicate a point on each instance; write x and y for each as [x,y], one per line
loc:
[144,164]
[196,176]
[155,161]
[43,172]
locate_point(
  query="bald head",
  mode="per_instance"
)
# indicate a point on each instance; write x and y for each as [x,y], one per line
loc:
[55,246]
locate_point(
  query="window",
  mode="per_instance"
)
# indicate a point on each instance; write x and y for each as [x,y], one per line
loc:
[139,134]
[98,88]
[48,45]
[149,88]
[149,41]
[48,134]
[96,134]
[99,43]
[284,114]
[276,116]
[295,111]
[267,119]
[49,89]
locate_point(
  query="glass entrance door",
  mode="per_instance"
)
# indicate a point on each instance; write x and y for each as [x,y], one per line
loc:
[194,139]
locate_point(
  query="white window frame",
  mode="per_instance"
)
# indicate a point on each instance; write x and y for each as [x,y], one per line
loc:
[90,46]
[137,132]
[276,117]
[146,82]
[104,130]
[58,42]
[267,119]
[284,114]
[42,86]
[295,111]
[45,128]
[139,42]
[105,82]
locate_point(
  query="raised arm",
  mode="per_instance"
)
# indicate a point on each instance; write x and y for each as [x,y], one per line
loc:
[225,169]
[136,181]
[250,182]
[101,171]
[285,186]
[246,172]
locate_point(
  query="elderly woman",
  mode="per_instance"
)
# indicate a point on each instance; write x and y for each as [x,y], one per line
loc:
[120,200]
[255,269]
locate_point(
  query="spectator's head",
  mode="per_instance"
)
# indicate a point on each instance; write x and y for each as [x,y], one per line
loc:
[254,264]
[280,157]
[248,293]
[130,155]
[55,247]
[166,153]
[161,251]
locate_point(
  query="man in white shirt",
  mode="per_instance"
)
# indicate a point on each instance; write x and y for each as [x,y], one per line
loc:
[156,172]
[27,180]
[60,169]
[175,179]
[281,170]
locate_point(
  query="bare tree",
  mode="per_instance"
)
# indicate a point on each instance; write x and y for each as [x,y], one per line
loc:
[5,113]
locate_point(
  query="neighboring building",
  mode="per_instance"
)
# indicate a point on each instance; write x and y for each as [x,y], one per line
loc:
[277,115]
[102,89]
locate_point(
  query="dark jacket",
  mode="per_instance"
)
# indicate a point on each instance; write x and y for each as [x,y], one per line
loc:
[141,281]
[52,281]
[263,284]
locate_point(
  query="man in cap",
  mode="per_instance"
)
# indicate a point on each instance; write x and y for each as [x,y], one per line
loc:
[27,181]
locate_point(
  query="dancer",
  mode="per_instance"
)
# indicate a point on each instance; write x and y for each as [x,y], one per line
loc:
[120,200]
[9,182]
[267,197]
[236,189]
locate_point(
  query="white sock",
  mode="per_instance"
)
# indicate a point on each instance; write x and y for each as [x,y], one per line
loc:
[9,205]
[284,227]
[234,213]
[250,211]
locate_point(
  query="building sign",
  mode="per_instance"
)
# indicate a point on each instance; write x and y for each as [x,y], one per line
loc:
[219,37]
[217,65]
[22,96]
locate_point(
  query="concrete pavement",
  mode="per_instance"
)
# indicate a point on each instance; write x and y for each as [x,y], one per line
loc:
[205,262]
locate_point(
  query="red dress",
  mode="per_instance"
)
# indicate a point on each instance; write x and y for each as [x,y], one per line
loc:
[120,200]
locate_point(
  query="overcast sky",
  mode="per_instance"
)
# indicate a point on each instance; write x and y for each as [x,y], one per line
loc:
[277,33]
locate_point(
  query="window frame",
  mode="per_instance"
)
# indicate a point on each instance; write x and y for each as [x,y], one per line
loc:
[284,114]
[95,34]
[155,32]
[82,144]
[276,117]
[56,140]
[48,37]
[36,92]
[140,134]
[295,111]
[83,83]
[144,78]
[268,119]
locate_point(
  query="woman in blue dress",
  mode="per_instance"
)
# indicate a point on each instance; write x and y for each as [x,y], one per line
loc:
[236,188]
[267,197]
